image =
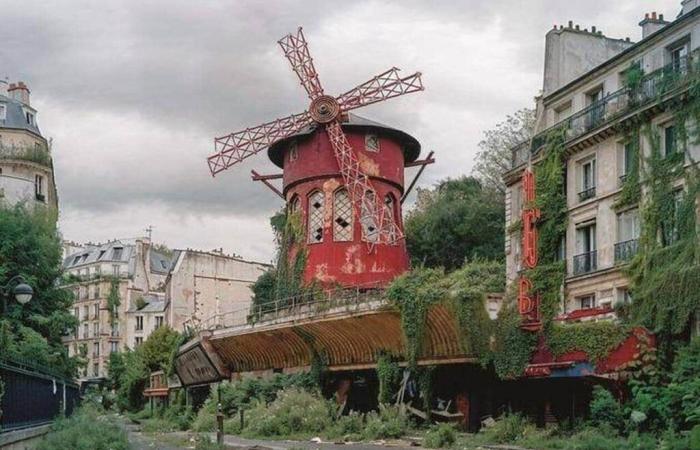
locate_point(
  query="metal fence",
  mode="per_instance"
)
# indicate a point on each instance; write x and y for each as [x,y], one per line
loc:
[308,303]
[33,396]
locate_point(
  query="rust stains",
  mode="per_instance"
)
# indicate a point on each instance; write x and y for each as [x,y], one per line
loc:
[368,165]
[321,273]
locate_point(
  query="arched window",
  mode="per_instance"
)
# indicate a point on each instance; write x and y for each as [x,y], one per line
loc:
[315,211]
[293,152]
[294,204]
[371,142]
[391,211]
[342,216]
[368,221]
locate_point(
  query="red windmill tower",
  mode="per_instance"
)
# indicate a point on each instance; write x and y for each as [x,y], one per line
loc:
[343,173]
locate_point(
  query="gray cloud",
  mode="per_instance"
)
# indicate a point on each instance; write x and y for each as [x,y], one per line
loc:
[133,92]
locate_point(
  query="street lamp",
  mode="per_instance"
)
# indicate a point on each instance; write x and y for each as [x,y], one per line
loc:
[22,291]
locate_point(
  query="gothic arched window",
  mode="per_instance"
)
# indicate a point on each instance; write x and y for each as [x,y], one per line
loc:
[342,216]
[315,212]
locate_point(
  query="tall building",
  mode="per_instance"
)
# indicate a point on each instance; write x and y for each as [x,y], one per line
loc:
[26,167]
[119,292]
[615,103]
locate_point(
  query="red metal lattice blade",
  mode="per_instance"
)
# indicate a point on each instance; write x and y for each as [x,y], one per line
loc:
[235,147]
[382,87]
[296,50]
[376,220]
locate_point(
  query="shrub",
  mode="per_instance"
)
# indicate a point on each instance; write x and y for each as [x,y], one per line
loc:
[509,428]
[695,438]
[605,409]
[348,427]
[83,431]
[389,422]
[206,417]
[157,425]
[180,416]
[439,436]
[293,412]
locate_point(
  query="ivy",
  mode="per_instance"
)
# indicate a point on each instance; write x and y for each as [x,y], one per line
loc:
[426,382]
[631,191]
[113,299]
[596,339]
[389,376]
[512,346]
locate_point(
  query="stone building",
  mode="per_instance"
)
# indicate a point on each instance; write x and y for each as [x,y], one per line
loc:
[26,167]
[128,270]
[208,285]
[587,94]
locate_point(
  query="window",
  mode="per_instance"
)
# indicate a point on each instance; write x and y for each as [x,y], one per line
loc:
[623,296]
[390,209]
[596,108]
[316,217]
[371,142]
[159,321]
[96,369]
[670,141]
[115,329]
[678,56]
[563,111]
[139,323]
[587,301]
[96,310]
[588,180]
[96,329]
[102,253]
[669,225]
[76,260]
[113,347]
[117,253]
[115,270]
[96,292]
[86,330]
[517,203]
[594,95]
[342,212]
[368,222]
[294,204]
[628,230]
[138,340]
[39,188]
[586,260]
[30,118]
[3,112]
[293,151]
[628,162]
[86,309]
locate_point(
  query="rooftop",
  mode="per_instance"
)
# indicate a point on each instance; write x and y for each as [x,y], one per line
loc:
[16,116]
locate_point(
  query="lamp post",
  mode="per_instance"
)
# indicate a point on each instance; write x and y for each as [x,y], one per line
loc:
[21,291]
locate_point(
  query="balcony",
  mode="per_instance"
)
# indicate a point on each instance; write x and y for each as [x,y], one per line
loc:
[624,251]
[586,262]
[651,88]
[586,194]
[37,154]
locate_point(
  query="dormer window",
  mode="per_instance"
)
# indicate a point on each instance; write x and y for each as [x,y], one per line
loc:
[3,112]
[371,142]
[117,253]
[30,118]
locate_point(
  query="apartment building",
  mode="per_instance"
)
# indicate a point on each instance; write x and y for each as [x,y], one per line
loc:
[119,298]
[586,94]
[26,167]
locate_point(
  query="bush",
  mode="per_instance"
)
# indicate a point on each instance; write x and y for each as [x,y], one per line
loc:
[389,422]
[206,417]
[439,436]
[605,409]
[348,427]
[83,431]
[509,428]
[180,416]
[293,412]
[157,425]
[695,438]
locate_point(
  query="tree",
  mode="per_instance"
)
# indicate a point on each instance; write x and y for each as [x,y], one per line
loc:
[30,247]
[457,220]
[494,159]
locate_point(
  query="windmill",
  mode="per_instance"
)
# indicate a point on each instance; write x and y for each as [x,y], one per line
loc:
[325,110]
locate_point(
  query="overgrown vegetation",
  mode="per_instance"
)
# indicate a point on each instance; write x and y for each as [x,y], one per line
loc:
[459,219]
[31,247]
[87,429]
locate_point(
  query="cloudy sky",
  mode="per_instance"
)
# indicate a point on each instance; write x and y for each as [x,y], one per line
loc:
[133,92]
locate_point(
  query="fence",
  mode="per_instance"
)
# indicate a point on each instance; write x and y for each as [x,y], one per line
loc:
[310,303]
[33,396]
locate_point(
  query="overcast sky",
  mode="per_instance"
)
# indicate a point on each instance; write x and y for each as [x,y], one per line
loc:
[133,92]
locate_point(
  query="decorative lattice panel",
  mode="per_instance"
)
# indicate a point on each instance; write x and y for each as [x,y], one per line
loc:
[316,217]
[342,216]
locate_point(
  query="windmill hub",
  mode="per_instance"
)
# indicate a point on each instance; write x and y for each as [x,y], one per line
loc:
[324,109]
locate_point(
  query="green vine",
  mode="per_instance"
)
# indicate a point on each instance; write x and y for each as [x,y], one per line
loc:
[631,191]
[113,300]
[426,382]
[389,376]
[596,339]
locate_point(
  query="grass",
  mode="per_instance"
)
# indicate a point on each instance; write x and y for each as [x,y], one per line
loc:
[87,429]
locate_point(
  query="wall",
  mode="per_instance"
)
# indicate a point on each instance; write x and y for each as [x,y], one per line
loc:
[204,284]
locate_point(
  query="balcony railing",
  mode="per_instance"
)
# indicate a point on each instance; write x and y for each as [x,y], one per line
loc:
[586,194]
[651,88]
[36,154]
[624,251]
[585,262]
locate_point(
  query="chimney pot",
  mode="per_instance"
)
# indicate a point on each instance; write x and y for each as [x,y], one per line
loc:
[593,29]
[577,27]
[571,23]
[661,17]
[646,15]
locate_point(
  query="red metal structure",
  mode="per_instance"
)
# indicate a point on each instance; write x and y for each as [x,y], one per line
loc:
[529,301]
[344,174]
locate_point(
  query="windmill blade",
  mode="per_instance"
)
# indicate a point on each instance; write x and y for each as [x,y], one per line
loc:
[376,219]
[382,87]
[235,147]
[296,50]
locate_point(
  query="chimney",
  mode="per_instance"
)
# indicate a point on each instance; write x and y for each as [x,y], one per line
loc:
[19,92]
[4,84]
[651,24]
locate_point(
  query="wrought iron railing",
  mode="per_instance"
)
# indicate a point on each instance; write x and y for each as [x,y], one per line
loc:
[586,194]
[624,251]
[36,154]
[585,262]
[651,87]
[305,304]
